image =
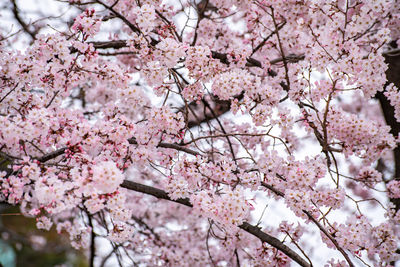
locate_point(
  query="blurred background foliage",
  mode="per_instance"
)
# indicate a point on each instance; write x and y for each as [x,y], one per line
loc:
[22,244]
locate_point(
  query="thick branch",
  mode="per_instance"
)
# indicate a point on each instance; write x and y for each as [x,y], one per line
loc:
[132,141]
[17,16]
[333,240]
[92,242]
[393,76]
[254,230]
[321,228]
[264,237]
[61,151]
[155,192]
[120,16]
[52,155]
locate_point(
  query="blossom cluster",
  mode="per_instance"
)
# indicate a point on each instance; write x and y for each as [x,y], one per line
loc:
[360,136]
[358,235]
[229,208]
[228,84]
[392,93]
[87,23]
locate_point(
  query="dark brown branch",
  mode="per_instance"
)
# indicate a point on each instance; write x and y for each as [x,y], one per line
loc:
[92,242]
[200,8]
[321,228]
[155,192]
[116,44]
[121,17]
[216,117]
[9,92]
[25,26]
[220,107]
[133,141]
[52,155]
[61,151]
[179,148]
[393,76]
[169,24]
[331,238]
[262,43]
[254,230]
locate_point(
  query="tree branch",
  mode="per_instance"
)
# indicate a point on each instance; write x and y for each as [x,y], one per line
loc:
[254,230]
[52,155]
[321,228]
[393,76]
[117,14]
[17,16]
[92,242]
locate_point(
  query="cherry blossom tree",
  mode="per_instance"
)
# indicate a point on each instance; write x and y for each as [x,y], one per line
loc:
[206,133]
